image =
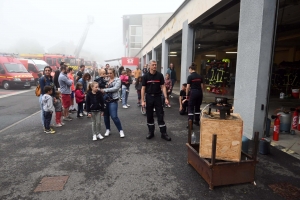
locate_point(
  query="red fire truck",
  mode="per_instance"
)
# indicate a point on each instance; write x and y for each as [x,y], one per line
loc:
[13,73]
[54,60]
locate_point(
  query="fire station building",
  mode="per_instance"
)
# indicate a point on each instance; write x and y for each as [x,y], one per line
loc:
[253,46]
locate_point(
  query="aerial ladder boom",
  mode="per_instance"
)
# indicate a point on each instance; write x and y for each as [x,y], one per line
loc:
[83,37]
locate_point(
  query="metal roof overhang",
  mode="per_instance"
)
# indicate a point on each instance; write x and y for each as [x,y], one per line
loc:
[116,59]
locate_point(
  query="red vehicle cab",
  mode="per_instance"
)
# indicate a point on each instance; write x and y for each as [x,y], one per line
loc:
[13,73]
[53,61]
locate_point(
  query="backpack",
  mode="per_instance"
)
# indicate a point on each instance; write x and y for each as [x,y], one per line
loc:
[38,89]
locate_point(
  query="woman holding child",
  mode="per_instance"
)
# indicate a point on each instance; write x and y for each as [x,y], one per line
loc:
[111,101]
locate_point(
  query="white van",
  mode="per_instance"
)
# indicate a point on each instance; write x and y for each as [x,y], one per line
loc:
[36,68]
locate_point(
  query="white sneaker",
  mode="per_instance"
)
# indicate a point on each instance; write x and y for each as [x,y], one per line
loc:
[128,105]
[94,137]
[100,136]
[58,125]
[125,106]
[107,133]
[122,134]
[62,123]
[80,114]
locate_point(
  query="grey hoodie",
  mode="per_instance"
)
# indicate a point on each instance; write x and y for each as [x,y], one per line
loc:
[47,103]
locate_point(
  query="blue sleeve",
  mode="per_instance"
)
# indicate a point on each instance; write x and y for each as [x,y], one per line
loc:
[42,84]
[67,81]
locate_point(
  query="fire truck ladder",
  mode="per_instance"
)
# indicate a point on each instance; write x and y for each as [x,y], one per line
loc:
[83,37]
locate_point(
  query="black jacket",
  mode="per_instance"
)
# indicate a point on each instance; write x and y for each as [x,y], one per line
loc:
[56,75]
[101,82]
[94,102]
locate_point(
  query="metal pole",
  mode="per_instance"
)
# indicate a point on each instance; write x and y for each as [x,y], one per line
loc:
[190,132]
[254,154]
[214,149]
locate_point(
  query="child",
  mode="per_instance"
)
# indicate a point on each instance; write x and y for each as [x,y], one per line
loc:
[138,87]
[47,103]
[168,84]
[95,105]
[58,108]
[101,80]
[79,96]
[125,80]
[102,83]
[183,102]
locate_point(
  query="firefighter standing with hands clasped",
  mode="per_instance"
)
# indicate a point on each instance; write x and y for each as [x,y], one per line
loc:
[195,88]
[153,85]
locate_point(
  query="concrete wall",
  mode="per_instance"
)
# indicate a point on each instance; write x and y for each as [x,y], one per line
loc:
[133,52]
[190,12]
[152,23]
[255,40]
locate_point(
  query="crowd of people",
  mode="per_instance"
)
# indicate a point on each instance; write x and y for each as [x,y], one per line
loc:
[98,96]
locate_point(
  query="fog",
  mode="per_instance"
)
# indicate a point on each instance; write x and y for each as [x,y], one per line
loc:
[35,26]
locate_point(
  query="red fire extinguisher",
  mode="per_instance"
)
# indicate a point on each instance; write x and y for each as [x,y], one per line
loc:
[276,128]
[295,119]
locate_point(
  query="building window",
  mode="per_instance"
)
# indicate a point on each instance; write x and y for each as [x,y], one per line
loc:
[135,45]
[135,37]
[136,30]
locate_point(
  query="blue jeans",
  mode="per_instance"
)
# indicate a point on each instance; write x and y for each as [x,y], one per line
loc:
[42,111]
[47,118]
[111,110]
[79,108]
[124,95]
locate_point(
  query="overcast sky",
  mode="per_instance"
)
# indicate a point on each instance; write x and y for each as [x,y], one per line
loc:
[53,21]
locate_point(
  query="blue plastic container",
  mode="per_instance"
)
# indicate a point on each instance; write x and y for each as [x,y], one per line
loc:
[264,146]
[245,144]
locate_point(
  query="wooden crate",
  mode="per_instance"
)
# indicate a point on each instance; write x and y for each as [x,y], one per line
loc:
[229,133]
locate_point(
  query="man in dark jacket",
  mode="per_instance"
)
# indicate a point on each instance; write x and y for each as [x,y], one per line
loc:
[56,75]
[80,73]
[120,71]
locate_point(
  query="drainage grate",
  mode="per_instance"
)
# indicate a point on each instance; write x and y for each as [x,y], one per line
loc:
[55,183]
[286,190]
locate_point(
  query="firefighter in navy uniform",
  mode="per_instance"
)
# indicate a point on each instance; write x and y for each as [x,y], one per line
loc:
[195,87]
[153,85]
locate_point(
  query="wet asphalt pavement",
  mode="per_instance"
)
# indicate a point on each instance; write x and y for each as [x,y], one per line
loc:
[116,168]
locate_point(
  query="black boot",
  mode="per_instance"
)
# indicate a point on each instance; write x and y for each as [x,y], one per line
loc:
[165,136]
[150,135]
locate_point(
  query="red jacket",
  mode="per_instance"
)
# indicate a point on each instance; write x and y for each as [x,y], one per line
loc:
[79,95]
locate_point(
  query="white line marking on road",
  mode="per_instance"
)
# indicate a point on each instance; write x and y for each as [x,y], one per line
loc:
[8,95]
[18,122]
